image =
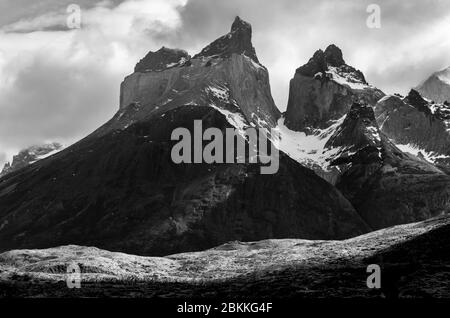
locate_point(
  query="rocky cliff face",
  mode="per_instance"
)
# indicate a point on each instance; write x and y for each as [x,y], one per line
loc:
[385,185]
[320,96]
[133,197]
[225,75]
[437,86]
[417,126]
[30,155]
[324,89]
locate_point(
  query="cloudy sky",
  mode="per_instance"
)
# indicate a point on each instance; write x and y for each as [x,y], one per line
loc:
[59,84]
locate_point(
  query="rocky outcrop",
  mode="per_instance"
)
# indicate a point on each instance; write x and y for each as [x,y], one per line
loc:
[385,185]
[120,189]
[162,59]
[417,126]
[238,41]
[225,75]
[437,87]
[324,89]
[320,95]
[134,199]
[30,155]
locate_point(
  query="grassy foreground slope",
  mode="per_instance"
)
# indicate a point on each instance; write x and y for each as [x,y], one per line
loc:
[414,260]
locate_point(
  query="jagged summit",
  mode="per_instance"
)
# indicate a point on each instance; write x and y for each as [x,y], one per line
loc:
[238,40]
[437,86]
[415,99]
[239,24]
[321,60]
[333,55]
[324,89]
[331,62]
[162,59]
[359,131]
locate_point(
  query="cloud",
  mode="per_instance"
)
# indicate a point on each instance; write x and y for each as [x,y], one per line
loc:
[412,42]
[61,85]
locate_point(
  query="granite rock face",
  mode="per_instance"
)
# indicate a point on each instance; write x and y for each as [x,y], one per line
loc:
[384,184]
[134,199]
[324,89]
[238,41]
[437,86]
[120,189]
[226,75]
[417,125]
[162,59]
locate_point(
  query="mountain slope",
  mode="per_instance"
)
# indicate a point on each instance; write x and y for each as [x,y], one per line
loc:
[437,86]
[226,75]
[413,259]
[385,185]
[119,188]
[417,126]
[30,155]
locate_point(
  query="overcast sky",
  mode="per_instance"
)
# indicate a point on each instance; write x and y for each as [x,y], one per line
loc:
[58,84]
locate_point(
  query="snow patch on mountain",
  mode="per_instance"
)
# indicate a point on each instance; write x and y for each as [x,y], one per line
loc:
[344,78]
[307,149]
[421,153]
[235,119]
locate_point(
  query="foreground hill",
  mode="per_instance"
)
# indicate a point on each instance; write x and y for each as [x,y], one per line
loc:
[413,259]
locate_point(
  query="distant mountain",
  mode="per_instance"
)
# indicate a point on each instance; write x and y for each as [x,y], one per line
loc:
[417,126]
[340,139]
[30,155]
[385,185]
[119,189]
[437,86]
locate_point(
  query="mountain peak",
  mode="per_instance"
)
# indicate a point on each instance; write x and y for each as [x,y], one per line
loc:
[321,60]
[333,55]
[162,59]
[239,24]
[238,41]
[359,132]
[415,99]
[437,86]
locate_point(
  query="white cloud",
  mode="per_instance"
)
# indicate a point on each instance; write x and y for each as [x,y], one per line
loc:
[61,85]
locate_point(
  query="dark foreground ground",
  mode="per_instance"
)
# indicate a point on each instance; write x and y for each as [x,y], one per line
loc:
[414,261]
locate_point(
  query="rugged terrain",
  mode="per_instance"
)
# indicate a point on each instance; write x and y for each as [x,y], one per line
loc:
[343,171]
[384,184]
[413,259]
[320,96]
[30,155]
[417,126]
[324,89]
[119,189]
[437,86]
